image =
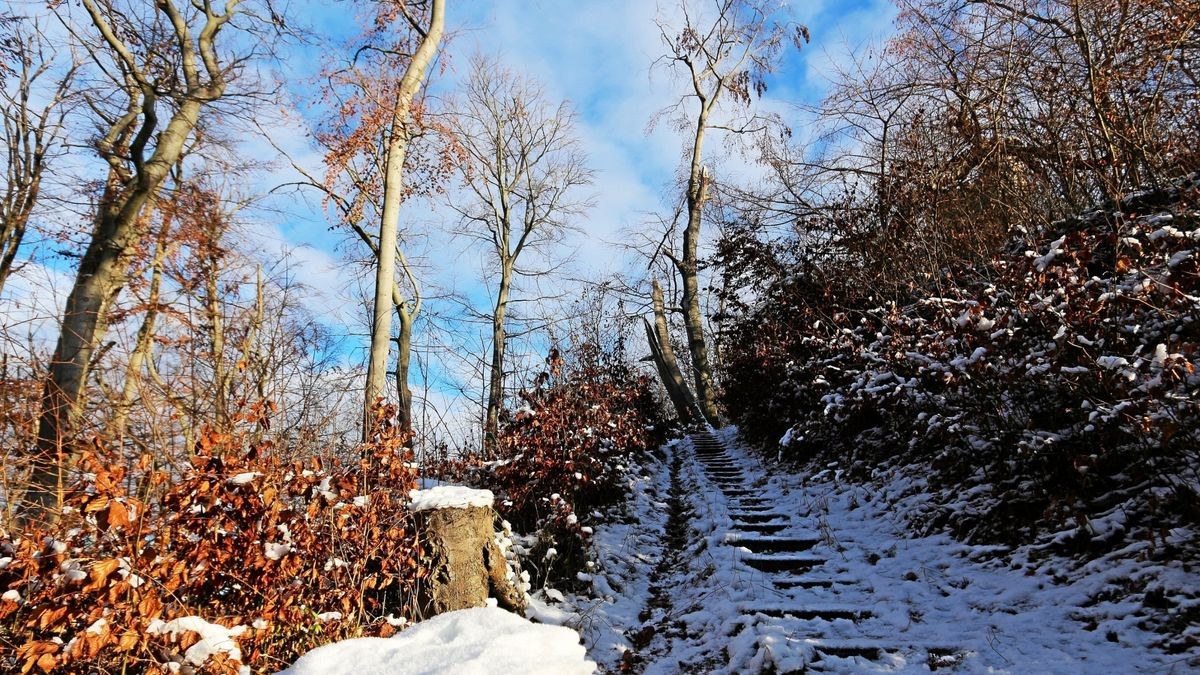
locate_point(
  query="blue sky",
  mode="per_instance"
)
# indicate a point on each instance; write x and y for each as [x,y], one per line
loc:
[596,54]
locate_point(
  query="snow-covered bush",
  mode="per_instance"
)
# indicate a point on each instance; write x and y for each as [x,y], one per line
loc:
[1050,384]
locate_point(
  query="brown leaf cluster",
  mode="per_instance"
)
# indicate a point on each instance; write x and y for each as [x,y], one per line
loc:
[239,538]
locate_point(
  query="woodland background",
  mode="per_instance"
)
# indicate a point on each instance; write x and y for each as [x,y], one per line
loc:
[976,253]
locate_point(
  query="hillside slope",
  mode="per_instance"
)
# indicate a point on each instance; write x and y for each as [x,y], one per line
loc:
[1047,402]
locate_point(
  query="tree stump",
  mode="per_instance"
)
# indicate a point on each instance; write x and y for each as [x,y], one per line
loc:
[456,526]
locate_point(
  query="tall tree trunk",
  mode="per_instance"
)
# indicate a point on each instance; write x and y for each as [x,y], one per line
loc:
[249,353]
[693,321]
[403,361]
[659,337]
[491,431]
[100,277]
[216,332]
[393,187]
[145,335]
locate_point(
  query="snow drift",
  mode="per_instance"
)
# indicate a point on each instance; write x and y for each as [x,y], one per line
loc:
[467,642]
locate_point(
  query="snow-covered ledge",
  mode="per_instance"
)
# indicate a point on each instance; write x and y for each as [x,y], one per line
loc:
[456,525]
[449,497]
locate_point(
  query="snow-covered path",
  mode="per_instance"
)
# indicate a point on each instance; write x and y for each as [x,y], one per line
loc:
[759,571]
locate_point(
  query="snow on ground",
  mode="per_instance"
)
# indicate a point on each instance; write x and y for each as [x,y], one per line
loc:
[627,547]
[858,594]
[482,641]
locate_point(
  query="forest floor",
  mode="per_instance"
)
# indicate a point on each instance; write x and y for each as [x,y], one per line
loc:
[722,564]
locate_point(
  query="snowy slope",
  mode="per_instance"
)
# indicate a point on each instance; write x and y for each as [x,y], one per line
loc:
[779,572]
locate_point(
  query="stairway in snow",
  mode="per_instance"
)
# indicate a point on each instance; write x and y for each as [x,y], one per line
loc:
[797,616]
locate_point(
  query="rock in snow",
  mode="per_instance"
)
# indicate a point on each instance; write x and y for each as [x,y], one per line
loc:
[448,497]
[477,641]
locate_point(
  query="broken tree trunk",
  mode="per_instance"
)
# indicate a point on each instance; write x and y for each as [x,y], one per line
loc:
[456,527]
[659,337]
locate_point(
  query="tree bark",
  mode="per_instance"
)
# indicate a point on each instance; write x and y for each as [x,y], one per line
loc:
[216,327]
[693,320]
[466,566]
[496,379]
[393,187]
[403,361]
[100,277]
[659,337]
[142,346]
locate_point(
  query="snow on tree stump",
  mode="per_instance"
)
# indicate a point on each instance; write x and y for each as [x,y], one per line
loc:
[467,566]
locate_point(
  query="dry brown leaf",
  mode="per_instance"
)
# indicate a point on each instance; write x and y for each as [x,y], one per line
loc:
[127,642]
[118,515]
[100,572]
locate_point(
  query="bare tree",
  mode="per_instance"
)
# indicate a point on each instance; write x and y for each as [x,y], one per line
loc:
[373,122]
[982,117]
[399,133]
[522,171]
[723,51]
[32,130]
[155,74]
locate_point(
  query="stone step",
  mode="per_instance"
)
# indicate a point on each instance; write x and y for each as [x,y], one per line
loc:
[772,544]
[742,517]
[847,651]
[766,563]
[738,492]
[761,528]
[755,508]
[809,583]
[944,657]
[810,613]
[935,657]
